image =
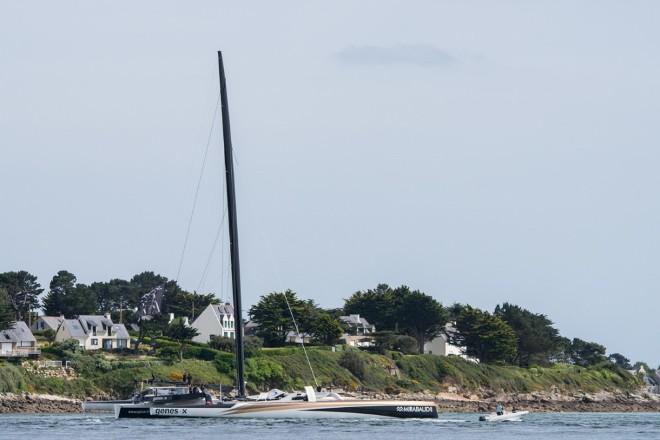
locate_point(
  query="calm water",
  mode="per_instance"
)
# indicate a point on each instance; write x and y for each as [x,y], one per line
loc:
[450,426]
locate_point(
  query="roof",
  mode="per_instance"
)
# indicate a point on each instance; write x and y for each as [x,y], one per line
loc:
[355,320]
[18,332]
[120,331]
[75,329]
[223,309]
[98,321]
[52,321]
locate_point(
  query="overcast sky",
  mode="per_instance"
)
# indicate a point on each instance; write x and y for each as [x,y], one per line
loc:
[481,152]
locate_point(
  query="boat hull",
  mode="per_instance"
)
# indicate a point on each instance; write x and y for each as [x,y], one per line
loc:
[506,417]
[103,405]
[308,410]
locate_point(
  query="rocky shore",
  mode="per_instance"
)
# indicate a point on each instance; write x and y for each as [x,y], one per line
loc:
[37,403]
[447,402]
[537,402]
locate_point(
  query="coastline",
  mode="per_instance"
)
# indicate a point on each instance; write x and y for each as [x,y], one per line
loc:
[446,402]
[11,403]
[603,401]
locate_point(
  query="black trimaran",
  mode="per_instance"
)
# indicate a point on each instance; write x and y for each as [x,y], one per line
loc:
[276,404]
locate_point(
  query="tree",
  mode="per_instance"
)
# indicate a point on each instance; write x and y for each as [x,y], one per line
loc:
[181,333]
[68,298]
[50,335]
[484,336]
[115,295]
[389,341]
[586,353]
[419,315]
[273,317]
[252,344]
[563,353]
[538,340]
[620,360]
[151,328]
[325,329]
[6,312]
[354,362]
[377,305]
[22,291]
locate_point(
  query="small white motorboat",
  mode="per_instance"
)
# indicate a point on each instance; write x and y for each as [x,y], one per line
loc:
[515,416]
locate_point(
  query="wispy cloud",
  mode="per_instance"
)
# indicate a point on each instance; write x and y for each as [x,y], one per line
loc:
[423,55]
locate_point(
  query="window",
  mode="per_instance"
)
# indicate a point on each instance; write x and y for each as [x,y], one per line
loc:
[95,342]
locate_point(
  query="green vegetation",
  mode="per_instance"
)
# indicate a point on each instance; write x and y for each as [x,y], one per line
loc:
[518,350]
[538,340]
[68,298]
[485,336]
[6,313]
[273,316]
[410,312]
[286,368]
[22,291]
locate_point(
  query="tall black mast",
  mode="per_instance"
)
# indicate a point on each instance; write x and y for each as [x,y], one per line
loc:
[233,231]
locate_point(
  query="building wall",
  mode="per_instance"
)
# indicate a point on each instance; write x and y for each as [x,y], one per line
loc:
[91,342]
[208,323]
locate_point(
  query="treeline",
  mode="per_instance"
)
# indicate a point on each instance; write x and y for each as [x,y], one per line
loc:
[21,296]
[406,319]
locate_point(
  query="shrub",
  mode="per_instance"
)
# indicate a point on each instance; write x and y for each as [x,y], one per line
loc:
[11,379]
[388,341]
[353,362]
[65,348]
[222,343]
[253,345]
[264,373]
[224,364]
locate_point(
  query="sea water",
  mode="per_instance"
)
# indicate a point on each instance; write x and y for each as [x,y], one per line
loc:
[562,426]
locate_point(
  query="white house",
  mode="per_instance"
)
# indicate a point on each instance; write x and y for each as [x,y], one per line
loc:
[18,341]
[215,320]
[94,332]
[441,346]
[295,338]
[47,323]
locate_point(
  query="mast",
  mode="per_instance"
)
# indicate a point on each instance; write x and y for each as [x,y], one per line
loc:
[233,232]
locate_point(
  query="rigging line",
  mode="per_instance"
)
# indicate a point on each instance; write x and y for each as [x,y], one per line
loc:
[213,248]
[302,339]
[199,183]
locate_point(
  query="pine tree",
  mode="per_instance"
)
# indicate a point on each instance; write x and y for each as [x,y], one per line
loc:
[6,313]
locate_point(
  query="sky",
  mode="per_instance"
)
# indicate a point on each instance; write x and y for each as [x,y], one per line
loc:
[479,151]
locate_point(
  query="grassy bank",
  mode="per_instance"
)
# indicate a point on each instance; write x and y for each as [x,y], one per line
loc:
[287,368]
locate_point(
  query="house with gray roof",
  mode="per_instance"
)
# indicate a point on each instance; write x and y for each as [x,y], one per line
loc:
[359,332]
[357,325]
[215,320]
[18,341]
[94,332]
